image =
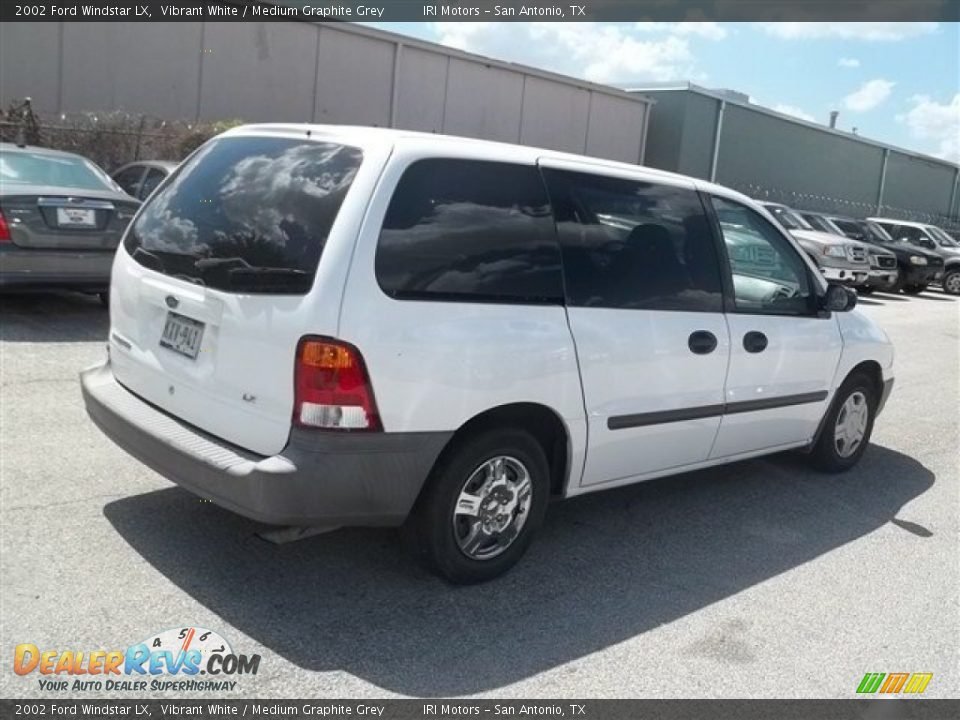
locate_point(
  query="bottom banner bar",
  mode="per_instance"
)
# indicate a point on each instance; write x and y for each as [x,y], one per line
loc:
[435,709]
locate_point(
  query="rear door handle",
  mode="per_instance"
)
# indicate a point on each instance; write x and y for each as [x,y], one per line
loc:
[702,342]
[754,342]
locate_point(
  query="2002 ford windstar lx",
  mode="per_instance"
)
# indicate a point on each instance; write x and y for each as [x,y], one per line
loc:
[352,326]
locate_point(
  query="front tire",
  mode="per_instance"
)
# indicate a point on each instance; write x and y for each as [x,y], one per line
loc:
[901,280]
[848,426]
[481,506]
[951,282]
[914,289]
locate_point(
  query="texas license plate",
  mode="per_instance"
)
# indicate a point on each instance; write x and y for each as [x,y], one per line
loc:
[182,335]
[76,217]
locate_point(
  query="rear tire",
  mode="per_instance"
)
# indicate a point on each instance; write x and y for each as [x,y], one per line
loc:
[951,282]
[847,427]
[472,521]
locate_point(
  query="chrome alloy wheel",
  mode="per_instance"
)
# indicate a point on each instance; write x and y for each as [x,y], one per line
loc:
[492,507]
[851,425]
[952,283]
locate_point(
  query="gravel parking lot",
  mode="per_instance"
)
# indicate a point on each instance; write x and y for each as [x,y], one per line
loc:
[760,579]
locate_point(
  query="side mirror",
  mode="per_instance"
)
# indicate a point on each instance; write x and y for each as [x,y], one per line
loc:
[838,299]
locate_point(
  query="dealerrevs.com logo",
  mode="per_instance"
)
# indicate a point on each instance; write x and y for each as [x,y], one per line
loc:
[181,659]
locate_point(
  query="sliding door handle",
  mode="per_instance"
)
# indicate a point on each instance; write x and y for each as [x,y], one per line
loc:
[702,342]
[754,342]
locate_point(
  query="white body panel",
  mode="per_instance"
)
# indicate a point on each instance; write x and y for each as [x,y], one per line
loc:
[801,358]
[436,365]
[638,361]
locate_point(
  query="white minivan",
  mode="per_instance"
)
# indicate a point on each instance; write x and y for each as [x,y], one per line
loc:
[327,326]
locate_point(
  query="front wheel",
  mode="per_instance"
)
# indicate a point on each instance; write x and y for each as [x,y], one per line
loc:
[951,282]
[847,427]
[481,506]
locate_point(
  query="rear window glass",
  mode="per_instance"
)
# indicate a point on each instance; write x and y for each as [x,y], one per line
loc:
[247,214]
[53,170]
[470,231]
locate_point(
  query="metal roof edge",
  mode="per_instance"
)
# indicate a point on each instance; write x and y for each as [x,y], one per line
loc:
[718,95]
[428,46]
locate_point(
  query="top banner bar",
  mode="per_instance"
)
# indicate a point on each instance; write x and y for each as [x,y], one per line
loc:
[480,10]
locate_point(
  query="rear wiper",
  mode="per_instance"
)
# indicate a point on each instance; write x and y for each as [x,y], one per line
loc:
[148,259]
[238,273]
[269,279]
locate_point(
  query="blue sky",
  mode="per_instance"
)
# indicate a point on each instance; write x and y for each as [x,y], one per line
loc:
[895,82]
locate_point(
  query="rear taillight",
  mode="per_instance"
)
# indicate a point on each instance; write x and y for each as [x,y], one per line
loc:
[332,388]
[4,229]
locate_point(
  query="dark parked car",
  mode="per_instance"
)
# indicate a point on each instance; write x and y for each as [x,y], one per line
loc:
[61,218]
[139,179]
[933,239]
[916,267]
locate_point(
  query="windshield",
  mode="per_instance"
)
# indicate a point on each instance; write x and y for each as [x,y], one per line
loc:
[246,214]
[28,168]
[942,237]
[879,232]
[790,219]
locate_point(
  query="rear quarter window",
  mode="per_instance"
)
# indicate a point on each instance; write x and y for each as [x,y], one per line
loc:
[469,231]
[247,214]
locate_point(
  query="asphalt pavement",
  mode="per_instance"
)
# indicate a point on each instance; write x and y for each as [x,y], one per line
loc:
[759,579]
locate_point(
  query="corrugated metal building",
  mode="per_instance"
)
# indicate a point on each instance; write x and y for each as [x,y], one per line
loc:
[312,72]
[719,135]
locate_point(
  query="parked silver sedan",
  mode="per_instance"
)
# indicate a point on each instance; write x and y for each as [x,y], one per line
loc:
[61,219]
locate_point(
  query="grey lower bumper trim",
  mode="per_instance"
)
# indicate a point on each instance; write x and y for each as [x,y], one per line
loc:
[319,478]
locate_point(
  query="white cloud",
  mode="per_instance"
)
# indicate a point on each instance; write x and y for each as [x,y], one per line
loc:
[848,63]
[936,123]
[888,31]
[795,112]
[601,53]
[869,95]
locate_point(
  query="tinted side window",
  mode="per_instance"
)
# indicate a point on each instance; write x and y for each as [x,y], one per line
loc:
[629,244]
[471,231]
[769,276]
[154,177]
[129,180]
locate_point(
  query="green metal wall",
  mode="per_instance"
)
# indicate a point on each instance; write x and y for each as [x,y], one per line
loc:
[772,157]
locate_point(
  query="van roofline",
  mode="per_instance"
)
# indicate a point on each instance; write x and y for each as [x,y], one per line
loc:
[368,134]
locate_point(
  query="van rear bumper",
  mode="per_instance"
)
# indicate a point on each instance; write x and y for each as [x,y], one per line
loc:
[317,479]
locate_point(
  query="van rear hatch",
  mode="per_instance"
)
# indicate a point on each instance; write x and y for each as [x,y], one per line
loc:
[214,271]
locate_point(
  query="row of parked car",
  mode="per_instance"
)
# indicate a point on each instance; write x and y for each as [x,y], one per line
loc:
[67,208]
[875,253]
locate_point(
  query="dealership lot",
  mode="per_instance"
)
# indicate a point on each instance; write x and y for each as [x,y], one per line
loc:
[752,580]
